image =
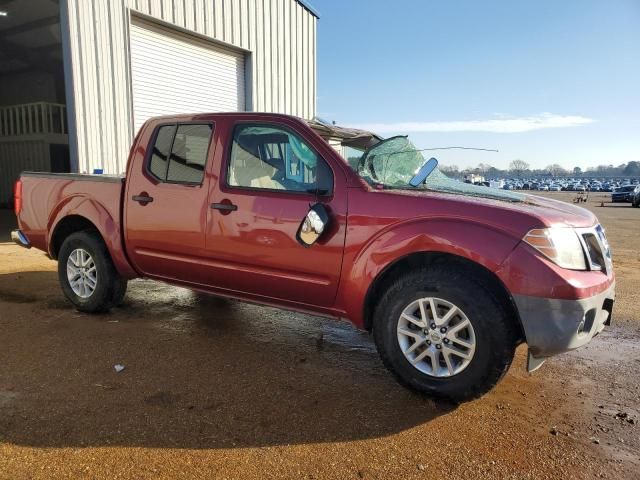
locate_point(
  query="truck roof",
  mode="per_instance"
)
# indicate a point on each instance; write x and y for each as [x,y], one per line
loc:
[352,137]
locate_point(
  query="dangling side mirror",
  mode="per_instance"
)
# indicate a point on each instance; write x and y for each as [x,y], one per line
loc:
[314,223]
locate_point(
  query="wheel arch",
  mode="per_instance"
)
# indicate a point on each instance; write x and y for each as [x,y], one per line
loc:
[427,259]
[68,225]
[77,213]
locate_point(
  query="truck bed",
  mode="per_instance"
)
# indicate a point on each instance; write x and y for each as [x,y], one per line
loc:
[76,176]
[49,197]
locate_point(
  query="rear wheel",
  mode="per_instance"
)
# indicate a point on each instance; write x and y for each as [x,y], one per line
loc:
[119,292]
[442,333]
[87,275]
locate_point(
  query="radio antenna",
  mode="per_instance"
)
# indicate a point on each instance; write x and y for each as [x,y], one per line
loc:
[460,148]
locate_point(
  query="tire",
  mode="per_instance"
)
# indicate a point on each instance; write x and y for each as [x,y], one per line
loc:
[119,292]
[109,287]
[494,334]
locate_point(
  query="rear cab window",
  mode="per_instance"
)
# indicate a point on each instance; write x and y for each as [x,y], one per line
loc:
[179,153]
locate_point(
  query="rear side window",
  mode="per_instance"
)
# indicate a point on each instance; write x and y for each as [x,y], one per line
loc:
[189,154]
[180,153]
[161,149]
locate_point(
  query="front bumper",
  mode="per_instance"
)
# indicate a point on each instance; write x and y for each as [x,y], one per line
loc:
[20,238]
[553,326]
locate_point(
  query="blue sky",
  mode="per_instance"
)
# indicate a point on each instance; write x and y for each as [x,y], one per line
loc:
[544,81]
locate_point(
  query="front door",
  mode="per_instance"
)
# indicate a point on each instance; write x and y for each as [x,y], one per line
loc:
[166,204]
[270,175]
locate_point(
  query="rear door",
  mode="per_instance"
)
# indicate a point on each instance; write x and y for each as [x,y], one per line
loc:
[269,176]
[166,200]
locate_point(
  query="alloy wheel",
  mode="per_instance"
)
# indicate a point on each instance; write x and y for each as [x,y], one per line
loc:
[82,273]
[436,337]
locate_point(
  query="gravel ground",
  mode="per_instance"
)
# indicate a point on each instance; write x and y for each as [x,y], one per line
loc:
[220,389]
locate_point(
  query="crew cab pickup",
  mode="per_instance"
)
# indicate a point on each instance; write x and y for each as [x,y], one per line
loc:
[449,277]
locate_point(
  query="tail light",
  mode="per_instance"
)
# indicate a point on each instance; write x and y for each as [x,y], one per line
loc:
[17,197]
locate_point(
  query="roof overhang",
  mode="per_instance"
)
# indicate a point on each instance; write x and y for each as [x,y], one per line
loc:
[309,8]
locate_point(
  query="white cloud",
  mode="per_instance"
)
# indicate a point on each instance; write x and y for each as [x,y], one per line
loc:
[498,125]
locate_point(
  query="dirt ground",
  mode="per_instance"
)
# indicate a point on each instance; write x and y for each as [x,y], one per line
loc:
[221,389]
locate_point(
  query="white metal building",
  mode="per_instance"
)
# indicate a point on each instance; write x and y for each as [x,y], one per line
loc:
[78,77]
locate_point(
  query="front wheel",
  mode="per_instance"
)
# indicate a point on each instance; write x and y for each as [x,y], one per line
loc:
[443,334]
[87,275]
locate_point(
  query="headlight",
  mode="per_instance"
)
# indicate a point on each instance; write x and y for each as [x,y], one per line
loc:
[561,245]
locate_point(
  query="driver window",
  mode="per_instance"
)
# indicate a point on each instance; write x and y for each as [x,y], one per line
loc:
[271,158]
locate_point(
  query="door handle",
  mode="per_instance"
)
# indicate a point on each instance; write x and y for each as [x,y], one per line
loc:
[142,199]
[225,206]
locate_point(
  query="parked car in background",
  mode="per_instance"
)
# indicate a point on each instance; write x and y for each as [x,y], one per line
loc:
[449,277]
[625,193]
[635,201]
[567,184]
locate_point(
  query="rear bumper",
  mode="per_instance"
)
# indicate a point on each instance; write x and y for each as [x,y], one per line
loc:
[553,326]
[20,238]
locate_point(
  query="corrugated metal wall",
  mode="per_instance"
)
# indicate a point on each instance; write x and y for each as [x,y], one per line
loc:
[18,156]
[279,36]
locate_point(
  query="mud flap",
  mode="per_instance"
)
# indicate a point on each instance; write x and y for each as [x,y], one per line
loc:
[534,363]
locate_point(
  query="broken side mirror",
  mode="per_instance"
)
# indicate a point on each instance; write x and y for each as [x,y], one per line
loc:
[314,223]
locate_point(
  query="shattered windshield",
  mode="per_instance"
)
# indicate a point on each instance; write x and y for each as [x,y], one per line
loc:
[393,162]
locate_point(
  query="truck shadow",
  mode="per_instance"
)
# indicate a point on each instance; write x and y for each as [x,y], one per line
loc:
[199,373]
[7,223]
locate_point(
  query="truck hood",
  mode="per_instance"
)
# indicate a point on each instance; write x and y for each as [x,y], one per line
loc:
[555,212]
[515,216]
[548,211]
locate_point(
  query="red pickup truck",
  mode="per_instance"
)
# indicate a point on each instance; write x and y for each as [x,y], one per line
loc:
[449,277]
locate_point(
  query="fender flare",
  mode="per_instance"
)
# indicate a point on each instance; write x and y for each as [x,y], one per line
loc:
[479,243]
[109,228]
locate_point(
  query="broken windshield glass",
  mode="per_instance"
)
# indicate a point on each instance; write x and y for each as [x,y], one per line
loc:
[393,162]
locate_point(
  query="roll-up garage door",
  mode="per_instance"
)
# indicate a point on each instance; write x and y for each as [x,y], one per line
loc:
[174,73]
